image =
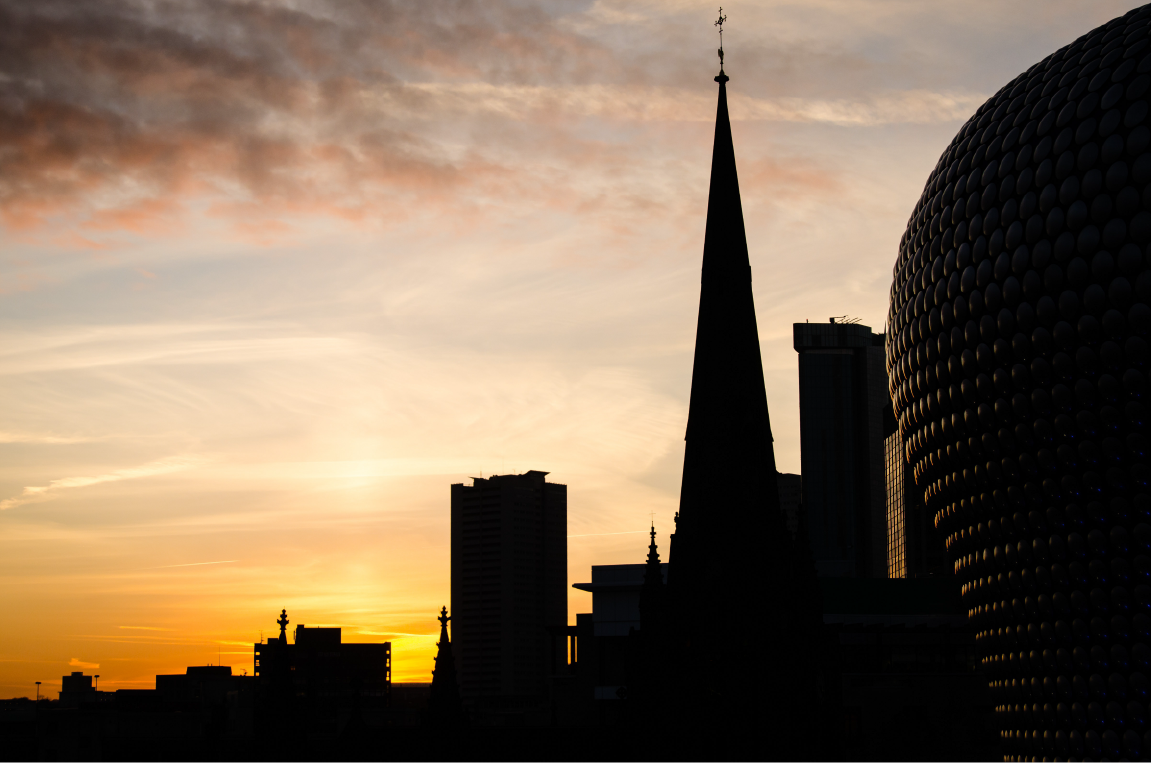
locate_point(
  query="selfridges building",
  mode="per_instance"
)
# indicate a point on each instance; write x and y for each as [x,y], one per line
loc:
[1018,363]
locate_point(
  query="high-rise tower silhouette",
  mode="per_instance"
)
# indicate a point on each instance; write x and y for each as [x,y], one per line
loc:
[842,398]
[509,585]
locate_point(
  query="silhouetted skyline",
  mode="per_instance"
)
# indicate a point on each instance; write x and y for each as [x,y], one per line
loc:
[266,293]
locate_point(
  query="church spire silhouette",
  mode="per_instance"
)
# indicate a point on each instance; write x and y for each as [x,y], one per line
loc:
[652,604]
[283,623]
[732,551]
[729,476]
[444,706]
[652,574]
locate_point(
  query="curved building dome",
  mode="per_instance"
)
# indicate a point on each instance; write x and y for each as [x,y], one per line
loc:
[1017,355]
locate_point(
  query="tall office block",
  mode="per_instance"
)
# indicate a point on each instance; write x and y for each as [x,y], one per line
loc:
[509,584]
[896,508]
[913,549]
[842,396]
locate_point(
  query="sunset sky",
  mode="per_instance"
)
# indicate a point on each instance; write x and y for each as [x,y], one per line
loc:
[274,275]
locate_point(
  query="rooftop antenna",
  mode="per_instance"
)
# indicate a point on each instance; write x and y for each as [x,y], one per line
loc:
[719,24]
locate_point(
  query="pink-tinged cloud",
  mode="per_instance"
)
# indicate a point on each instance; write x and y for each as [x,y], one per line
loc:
[119,115]
[158,101]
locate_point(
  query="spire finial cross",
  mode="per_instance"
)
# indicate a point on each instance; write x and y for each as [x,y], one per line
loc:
[283,623]
[719,23]
[443,618]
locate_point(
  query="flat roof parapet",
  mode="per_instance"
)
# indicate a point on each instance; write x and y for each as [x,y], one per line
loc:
[816,336]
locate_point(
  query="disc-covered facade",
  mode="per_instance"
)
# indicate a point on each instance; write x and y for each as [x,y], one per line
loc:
[1017,355]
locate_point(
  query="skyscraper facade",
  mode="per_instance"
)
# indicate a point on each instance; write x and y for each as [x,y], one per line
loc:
[896,479]
[1018,358]
[509,584]
[842,397]
[914,548]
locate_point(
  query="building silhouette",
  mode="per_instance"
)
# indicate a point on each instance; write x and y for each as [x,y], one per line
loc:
[615,590]
[590,679]
[842,397]
[1017,353]
[193,714]
[312,696]
[314,686]
[77,689]
[914,547]
[902,509]
[509,585]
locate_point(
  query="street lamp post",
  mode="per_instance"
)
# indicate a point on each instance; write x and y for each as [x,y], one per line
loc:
[37,694]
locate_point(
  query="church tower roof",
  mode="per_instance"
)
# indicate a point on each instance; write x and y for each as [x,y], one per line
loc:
[444,705]
[729,496]
[653,572]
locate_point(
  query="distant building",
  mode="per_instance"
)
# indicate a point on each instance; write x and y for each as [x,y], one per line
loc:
[615,590]
[77,689]
[318,684]
[842,397]
[590,679]
[913,550]
[896,477]
[509,585]
[195,715]
[198,684]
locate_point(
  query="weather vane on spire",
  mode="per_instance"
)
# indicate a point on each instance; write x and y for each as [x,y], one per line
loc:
[719,24]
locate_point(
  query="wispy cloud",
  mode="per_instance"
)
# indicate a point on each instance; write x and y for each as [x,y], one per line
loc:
[196,564]
[123,115]
[397,633]
[592,535]
[77,663]
[38,493]
[43,439]
[142,628]
[641,103]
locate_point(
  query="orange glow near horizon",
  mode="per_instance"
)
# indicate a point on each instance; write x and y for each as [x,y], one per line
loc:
[273,277]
